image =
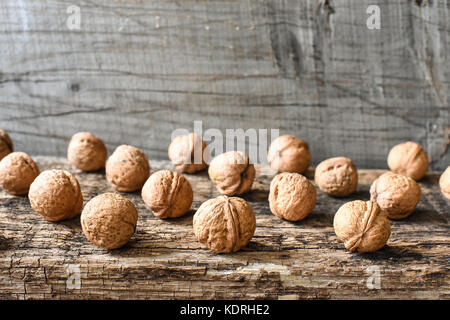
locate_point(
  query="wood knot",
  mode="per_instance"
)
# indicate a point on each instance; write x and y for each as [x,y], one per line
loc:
[423,3]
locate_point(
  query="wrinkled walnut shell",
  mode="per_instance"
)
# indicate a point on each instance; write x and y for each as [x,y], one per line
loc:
[362,226]
[17,172]
[6,145]
[289,154]
[292,197]
[224,224]
[444,183]
[232,173]
[168,194]
[396,194]
[337,176]
[109,220]
[127,169]
[86,152]
[189,153]
[408,159]
[56,195]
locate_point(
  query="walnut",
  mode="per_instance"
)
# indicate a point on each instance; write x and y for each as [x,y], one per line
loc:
[289,154]
[396,194]
[6,145]
[127,169]
[362,226]
[444,183]
[232,173]
[17,172]
[337,176]
[109,220]
[408,159]
[168,194]
[189,153]
[56,195]
[292,197]
[224,224]
[86,152]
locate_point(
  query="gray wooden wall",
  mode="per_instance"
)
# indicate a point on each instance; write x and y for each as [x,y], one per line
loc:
[138,69]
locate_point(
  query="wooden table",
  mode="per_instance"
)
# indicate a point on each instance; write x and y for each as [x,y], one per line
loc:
[163,260]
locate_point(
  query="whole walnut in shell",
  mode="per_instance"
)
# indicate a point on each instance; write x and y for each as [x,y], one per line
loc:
[17,172]
[109,220]
[408,159]
[6,145]
[444,183]
[289,154]
[224,224]
[337,176]
[396,194]
[127,169]
[168,194]
[362,226]
[232,173]
[292,197]
[189,153]
[56,195]
[86,152]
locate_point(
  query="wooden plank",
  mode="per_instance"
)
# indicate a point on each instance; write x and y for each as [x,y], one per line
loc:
[284,260]
[137,70]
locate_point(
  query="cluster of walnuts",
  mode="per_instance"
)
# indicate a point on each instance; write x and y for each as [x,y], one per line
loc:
[226,223]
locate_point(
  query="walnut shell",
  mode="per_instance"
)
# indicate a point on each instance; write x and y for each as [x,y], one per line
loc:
[289,154]
[189,153]
[408,159]
[444,183]
[127,169]
[337,176]
[6,145]
[17,172]
[232,173]
[109,220]
[224,224]
[86,152]
[168,194]
[362,226]
[396,194]
[292,197]
[56,195]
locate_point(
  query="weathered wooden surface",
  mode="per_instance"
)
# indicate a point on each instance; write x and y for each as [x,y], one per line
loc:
[163,260]
[138,69]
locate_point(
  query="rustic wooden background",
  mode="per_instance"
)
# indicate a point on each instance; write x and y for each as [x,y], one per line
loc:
[138,69]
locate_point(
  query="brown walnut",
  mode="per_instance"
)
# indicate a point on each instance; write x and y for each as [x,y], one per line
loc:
[6,145]
[444,183]
[232,173]
[56,195]
[189,153]
[109,220]
[86,152]
[224,224]
[337,176]
[127,169]
[396,194]
[408,159]
[289,154]
[292,197]
[17,172]
[168,194]
[362,226]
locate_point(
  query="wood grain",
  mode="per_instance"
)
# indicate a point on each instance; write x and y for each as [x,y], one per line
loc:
[138,69]
[163,260]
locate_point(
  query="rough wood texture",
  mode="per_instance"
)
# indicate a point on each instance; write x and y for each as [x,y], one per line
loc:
[138,69]
[163,260]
